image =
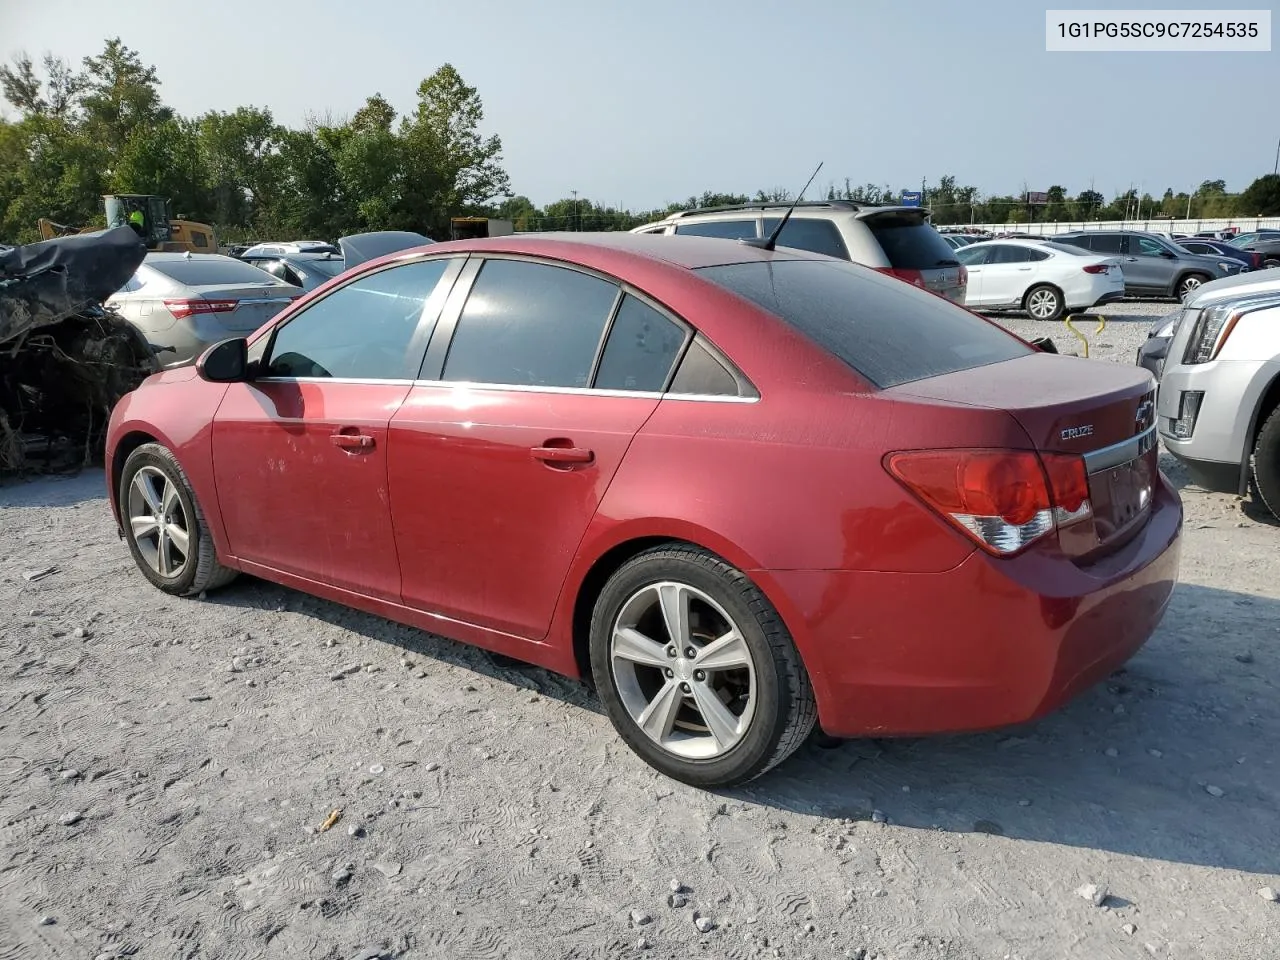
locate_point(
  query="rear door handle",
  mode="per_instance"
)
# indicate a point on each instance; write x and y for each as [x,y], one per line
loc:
[351,441]
[562,454]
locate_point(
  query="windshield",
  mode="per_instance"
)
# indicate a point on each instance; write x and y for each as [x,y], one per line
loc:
[888,331]
[1067,248]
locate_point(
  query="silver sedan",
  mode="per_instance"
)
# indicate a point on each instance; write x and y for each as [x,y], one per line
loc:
[183,302]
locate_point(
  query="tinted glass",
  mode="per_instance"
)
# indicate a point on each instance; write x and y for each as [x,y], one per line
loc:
[888,331]
[729,229]
[326,268]
[642,346]
[1007,253]
[530,324]
[701,374]
[199,271]
[909,243]
[820,236]
[973,256]
[1146,247]
[1068,248]
[1107,243]
[1034,254]
[361,331]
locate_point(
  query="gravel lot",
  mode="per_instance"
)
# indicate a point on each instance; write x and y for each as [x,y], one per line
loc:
[167,768]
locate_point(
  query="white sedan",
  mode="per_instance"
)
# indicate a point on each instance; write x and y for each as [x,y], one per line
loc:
[1043,278]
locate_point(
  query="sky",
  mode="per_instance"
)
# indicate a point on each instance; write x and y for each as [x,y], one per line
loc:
[640,104]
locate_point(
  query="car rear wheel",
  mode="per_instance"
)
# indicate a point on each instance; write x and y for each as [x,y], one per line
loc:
[1271,263]
[1043,303]
[696,669]
[165,526]
[1189,283]
[1266,463]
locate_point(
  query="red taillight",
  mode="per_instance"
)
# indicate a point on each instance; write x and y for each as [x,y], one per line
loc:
[1096,268]
[181,309]
[964,276]
[1257,261]
[913,277]
[1004,500]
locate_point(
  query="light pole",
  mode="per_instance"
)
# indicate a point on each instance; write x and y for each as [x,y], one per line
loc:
[1276,169]
[577,221]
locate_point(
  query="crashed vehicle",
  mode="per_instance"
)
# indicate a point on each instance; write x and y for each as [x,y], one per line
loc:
[65,359]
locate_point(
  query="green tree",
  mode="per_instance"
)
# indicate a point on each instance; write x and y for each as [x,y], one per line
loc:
[166,159]
[1261,198]
[1057,209]
[120,94]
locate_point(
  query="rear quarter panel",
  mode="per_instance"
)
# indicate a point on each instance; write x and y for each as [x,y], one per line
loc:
[174,408]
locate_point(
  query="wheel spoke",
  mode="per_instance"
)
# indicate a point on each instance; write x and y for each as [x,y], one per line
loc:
[169,500]
[144,526]
[143,485]
[659,716]
[724,653]
[162,553]
[718,718]
[674,598]
[178,537]
[630,644]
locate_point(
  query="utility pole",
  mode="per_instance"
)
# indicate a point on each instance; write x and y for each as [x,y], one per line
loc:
[1276,169]
[577,220]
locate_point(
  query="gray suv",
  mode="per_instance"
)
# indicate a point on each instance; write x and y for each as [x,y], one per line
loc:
[1154,266]
[892,239]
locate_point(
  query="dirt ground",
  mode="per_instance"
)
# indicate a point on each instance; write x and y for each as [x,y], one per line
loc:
[166,767]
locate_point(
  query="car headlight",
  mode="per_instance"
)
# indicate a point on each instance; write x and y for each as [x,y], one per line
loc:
[1228,265]
[1212,328]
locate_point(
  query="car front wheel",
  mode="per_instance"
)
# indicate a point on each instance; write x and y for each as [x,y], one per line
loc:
[1266,463]
[1189,284]
[696,669]
[165,526]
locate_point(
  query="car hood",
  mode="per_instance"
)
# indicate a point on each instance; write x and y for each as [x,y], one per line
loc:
[1259,281]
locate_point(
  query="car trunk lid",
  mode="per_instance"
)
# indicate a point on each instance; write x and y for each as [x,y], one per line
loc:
[242,307]
[1102,412]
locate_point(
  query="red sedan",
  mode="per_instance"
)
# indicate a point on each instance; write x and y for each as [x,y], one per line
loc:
[741,490]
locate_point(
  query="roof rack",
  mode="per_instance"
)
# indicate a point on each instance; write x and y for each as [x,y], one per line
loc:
[783,204]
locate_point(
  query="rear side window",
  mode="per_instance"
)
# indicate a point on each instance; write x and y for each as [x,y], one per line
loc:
[1106,243]
[530,324]
[820,236]
[909,243]
[1068,247]
[886,330]
[702,374]
[642,346]
[199,271]
[1008,253]
[729,229]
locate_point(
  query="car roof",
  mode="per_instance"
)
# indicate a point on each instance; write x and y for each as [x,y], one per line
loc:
[686,251]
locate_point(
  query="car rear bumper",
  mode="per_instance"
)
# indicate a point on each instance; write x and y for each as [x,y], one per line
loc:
[987,644]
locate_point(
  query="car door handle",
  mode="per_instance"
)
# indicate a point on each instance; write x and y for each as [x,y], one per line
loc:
[1024,268]
[562,454]
[1131,259]
[351,441]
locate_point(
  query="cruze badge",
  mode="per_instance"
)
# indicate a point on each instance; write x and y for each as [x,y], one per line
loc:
[1075,433]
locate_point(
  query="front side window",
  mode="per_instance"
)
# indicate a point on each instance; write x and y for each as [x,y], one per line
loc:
[530,324]
[362,331]
[1149,248]
[642,346]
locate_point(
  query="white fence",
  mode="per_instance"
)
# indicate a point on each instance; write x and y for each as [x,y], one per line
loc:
[1242,224]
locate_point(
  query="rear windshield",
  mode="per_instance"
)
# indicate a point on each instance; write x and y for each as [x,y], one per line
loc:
[909,242]
[329,268]
[887,330]
[199,271]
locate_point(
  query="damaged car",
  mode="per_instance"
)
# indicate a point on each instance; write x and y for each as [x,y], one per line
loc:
[65,359]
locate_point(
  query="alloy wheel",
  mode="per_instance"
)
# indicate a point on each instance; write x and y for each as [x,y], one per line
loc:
[158,522]
[1042,304]
[683,670]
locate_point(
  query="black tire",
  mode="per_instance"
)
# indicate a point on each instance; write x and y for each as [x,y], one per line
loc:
[1188,283]
[785,708]
[1270,263]
[1266,463]
[200,570]
[1045,291]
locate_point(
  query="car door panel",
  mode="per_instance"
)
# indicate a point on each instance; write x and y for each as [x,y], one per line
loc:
[302,479]
[300,451]
[492,491]
[1144,271]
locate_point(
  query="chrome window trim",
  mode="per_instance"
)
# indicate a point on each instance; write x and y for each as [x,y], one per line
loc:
[516,388]
[1104,458]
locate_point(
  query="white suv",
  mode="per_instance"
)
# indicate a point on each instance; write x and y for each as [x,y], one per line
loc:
[892,239]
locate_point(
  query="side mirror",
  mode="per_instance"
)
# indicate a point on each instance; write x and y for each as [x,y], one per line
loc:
[225,362]
[1168,255]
